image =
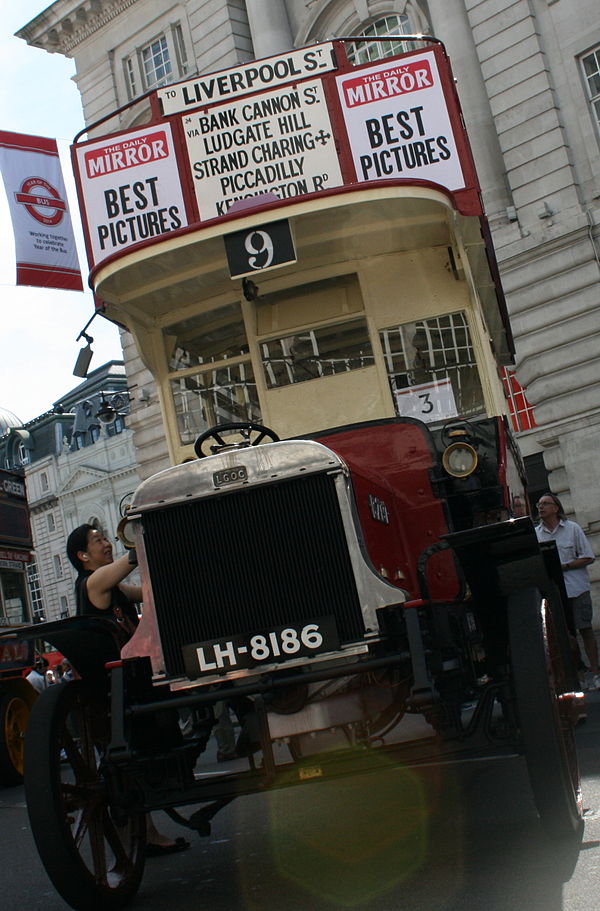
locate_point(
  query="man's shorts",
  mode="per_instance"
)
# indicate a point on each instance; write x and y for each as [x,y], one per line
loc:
[582,610]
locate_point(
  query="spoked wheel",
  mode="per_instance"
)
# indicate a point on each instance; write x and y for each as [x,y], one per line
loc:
[94,859]
[14,714]
[545,706]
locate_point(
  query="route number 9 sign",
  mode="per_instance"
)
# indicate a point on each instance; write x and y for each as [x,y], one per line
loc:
[257,249]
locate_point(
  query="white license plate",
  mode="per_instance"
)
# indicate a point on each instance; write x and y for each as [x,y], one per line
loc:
[265,647]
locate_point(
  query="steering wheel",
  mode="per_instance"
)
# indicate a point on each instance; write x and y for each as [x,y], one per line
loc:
[246,428]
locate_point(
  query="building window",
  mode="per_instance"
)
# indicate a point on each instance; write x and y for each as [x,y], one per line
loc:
[365,51]
[591,73]
[117,426]
[95,432]
[132,86]
[22,455]
[157,63]
[44,482]
[51,521]
[58,567]
[64,607]
[35,590]
[521,412]
[180,50]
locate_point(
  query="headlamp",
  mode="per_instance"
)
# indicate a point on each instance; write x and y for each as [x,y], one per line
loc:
[459,460]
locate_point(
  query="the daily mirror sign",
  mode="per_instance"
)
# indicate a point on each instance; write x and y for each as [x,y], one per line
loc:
[131,189]
[398,123]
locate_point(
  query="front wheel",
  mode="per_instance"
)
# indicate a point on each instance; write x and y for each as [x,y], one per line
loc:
[544,708]
[94,859]
[14,715]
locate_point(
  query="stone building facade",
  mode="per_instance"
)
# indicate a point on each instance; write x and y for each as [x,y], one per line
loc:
[77,469]
[528,75]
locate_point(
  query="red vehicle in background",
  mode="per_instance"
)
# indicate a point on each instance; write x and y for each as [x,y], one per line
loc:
[16,657]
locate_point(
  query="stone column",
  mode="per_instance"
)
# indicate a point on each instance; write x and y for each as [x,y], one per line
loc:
[451,25]
[269,27]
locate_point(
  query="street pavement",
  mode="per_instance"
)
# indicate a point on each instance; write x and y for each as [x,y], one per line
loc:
[463,837]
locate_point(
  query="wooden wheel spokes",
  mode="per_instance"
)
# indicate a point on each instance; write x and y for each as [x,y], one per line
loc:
[93,862]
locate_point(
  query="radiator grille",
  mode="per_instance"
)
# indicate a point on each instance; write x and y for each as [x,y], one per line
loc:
[257,558]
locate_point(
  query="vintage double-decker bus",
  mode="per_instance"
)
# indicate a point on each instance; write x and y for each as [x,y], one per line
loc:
[341,550]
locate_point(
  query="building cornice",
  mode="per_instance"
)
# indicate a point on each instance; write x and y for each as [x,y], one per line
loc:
[67,23]
[49,502]
[520,253]
[98,481]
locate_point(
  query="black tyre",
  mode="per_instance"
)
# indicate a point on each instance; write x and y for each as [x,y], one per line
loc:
[545,719]
[14,715]
[94,860]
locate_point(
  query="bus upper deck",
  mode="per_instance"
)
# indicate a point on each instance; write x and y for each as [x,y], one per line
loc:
[301,243]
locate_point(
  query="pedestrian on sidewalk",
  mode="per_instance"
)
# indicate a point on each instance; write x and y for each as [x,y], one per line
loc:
[575,554]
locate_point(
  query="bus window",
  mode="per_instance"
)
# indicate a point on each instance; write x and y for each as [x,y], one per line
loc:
[207,338]
[225,389]
[13,596]
[216,396]
[313,353]
[431,368]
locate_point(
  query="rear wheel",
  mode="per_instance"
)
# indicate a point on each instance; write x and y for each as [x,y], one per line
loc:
[94,859]
[545,711]
[14,714]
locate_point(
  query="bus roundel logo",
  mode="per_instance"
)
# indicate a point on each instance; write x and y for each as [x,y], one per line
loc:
[42,201]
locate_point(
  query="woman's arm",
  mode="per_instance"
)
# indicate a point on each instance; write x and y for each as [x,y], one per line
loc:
[103,579]
[133,592]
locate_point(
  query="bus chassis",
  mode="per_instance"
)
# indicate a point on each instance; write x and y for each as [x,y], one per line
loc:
[486,673]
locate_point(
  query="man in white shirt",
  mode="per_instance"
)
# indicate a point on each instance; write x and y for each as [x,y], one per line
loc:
[575,554]
[37,675]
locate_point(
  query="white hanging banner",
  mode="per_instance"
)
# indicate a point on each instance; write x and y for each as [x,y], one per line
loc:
[45,244]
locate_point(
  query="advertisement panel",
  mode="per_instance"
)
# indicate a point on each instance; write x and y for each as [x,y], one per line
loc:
[45,246]
[278,142]
[250,77]
[15,530]
[398,123]
[131,189]
[268,128]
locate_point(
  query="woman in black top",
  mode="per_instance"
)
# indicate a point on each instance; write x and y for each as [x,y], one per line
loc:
[100,591]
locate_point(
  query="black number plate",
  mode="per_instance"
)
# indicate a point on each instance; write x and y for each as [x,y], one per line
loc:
[265,647]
